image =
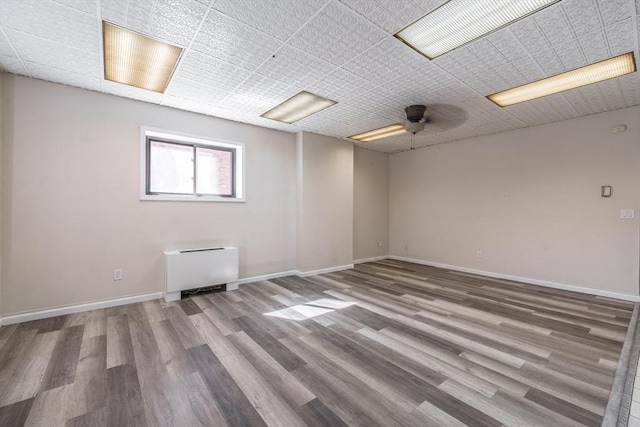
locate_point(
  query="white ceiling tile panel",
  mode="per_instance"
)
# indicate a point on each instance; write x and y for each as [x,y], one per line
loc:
[133,14]
[507,44]
[206,78]
[613,11]
[57,55]
[554,25]
[131,92]
[393,15]
[232,41]
[583,15]
[337,34]
[594,45]
[11,64]
[530,35]
[294,66]
[278,18]
[88,6]
[186,104]
[570,54]
[620,37]
[52,21]
[259,94]
[630,85]
[176,22]
[379,63]
[549,62]
[44,72]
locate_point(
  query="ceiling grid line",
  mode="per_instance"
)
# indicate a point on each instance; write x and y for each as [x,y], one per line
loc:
[253,72]
[187,49]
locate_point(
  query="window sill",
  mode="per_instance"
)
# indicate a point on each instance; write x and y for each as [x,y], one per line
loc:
[165,198]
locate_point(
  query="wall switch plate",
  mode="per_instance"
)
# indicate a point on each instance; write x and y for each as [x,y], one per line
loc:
[478,254]
[627,213]
[379,243]
[117,274]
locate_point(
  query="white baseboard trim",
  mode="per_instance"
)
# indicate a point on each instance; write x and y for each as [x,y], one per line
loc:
[113,302]
[77,308]
[267,277]
[545,283]
[372,259]
[323,270]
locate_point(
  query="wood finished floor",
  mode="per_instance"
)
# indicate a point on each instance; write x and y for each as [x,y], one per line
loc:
[384,344]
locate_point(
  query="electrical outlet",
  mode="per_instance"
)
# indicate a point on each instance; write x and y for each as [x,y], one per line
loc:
[379,243]
[117,274]
[478,254]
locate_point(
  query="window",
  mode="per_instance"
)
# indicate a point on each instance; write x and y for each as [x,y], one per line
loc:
[180,167]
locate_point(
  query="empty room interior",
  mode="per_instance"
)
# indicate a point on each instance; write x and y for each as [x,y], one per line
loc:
[319,212]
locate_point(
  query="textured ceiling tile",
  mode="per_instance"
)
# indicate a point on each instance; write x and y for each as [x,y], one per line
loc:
[176,22]
[570,55]
[56,55]
[52,21]
[88,6]
[131,92]
[594,45]
[186,104]
[386,61]
[528,69]
[278,18]
[337,34]
[43,72]
[531,37]
[620,37]
[507,44]
[554,25]
[232,41]
[583,15]
[11,64]
[612,94]
[613,11]
[295,67]
[259,94]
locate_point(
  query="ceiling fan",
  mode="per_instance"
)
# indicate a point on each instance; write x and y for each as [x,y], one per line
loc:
[442,117]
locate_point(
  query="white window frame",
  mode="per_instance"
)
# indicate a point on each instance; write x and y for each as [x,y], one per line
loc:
[180,137]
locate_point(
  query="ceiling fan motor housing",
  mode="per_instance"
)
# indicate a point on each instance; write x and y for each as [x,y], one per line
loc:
[415,113]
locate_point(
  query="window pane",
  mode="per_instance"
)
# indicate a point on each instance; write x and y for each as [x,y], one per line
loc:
[171,168]
[215,172]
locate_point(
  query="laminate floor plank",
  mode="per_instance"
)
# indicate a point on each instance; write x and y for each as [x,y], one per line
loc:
[385,343]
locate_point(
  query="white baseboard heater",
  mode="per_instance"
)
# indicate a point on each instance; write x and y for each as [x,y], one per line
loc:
[198,268]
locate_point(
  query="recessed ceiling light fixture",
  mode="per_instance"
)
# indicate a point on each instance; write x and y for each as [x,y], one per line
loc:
[380,133]
[458,22]
[600,71]
[298,107]
[137,60]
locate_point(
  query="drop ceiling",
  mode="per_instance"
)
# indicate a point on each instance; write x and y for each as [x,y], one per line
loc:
[243,57]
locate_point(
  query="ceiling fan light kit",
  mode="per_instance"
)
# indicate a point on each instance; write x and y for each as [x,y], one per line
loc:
[457,22]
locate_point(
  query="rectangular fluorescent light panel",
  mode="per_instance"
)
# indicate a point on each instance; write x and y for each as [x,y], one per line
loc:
[137,60]
[603,70]
[458,22]
[298,107]
[380,133]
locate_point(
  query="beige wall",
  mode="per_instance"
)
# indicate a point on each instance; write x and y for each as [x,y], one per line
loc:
[370,203]
[529,200]
[325,202]
[74,213]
